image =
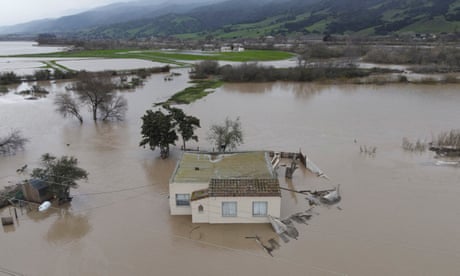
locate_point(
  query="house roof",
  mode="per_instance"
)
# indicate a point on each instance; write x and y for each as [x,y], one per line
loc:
[38,184]
[202,167]
[239,188]
[244,187]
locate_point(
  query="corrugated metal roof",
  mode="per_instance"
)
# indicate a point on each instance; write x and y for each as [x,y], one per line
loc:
[38,183]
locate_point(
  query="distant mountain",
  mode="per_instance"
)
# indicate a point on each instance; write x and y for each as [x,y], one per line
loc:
[103,16]
[255,18]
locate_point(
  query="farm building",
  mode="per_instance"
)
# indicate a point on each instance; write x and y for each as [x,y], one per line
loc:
[36,190]
[225,188]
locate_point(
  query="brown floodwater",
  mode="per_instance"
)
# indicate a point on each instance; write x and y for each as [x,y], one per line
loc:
[399,214]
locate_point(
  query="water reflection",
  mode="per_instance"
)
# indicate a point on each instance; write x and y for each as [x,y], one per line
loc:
[299,90]
[68,227]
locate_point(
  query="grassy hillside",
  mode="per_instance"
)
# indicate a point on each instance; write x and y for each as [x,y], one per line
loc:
[256,18]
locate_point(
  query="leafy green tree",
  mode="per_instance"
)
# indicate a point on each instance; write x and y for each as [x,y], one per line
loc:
[228,135]
[186,124]
[158,130]
[61,174]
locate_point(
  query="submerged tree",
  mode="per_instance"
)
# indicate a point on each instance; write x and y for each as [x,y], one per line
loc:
[12,142]
[114,109]
[66,105]
[158,130]
[161,129]
[186,124]
[94,90]
[61,174]
[229,135]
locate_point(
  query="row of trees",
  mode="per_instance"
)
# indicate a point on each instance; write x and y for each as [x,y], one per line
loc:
[254,72]
[161,128]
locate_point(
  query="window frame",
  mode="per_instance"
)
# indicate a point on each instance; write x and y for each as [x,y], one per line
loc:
[253,208]
[224,214]
[183,202]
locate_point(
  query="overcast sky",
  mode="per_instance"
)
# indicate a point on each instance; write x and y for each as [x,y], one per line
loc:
[20,11]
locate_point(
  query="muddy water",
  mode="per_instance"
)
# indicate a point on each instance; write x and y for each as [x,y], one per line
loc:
[399,214]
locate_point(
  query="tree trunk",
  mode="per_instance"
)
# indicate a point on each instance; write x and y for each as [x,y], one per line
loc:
[164,152]
[95,113]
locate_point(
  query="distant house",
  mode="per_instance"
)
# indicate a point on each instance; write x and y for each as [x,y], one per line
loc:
[208,47]
[226,49]
[36,190]
[225,188]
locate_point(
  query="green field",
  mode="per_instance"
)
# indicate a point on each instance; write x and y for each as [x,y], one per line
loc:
[200,89]
[172,57]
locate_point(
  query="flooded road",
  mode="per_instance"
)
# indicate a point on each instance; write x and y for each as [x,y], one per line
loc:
[400,212]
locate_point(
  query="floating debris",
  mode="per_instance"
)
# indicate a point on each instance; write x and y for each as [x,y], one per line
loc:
[273,244]
[314,169]
[447,163]
[331,197]
[44,206]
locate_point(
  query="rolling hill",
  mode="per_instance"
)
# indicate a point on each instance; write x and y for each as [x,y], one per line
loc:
[252,18]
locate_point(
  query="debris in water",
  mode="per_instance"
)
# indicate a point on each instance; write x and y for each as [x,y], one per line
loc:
[266,248]
[331,197]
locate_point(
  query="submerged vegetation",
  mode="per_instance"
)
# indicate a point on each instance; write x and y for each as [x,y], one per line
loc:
[417,146]
[253,72]
[446,143]
[190,94]
[448,139]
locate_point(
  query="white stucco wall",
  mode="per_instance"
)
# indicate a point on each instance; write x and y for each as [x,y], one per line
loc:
[182,188]
[200,217]
[212,210]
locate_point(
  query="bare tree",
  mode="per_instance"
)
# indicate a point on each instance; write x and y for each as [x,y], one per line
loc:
[66,105]
[114,109]
[95,90]
[228,135]
[12,142]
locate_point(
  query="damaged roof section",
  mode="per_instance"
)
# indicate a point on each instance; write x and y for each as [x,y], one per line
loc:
[244,187]
[239,188]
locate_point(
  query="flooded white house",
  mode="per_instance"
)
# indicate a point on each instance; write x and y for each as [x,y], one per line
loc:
[225,188]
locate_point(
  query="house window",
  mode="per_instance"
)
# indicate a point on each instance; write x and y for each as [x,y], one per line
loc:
[200,209]
[182,199]
[229,209]
[259,208]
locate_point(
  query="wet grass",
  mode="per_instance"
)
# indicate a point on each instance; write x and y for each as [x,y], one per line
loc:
[172,56]
[190,94]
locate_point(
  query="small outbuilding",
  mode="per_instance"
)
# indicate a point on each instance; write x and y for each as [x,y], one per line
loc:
[240,187]
[36,190]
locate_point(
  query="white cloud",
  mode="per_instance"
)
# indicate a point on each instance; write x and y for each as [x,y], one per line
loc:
[19,11]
